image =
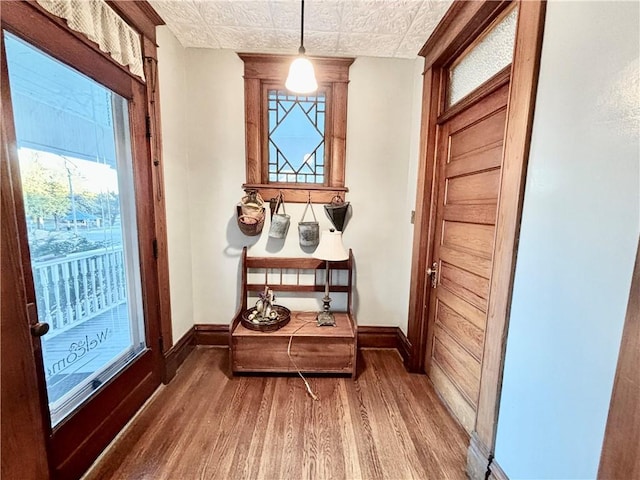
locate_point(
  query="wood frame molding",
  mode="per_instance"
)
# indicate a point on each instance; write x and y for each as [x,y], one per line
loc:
[462,24]
[404,346]
[138,14]
[458,29]
[618,458]
[522,96]
[478,459]
[142,17]
[424,227]
[496,472]
[23,427]
[154,136]
[333,77]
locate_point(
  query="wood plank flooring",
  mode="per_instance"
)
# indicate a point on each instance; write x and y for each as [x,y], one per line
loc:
[386,424]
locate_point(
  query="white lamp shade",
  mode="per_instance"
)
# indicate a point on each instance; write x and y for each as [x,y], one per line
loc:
[331,247]
[302,77]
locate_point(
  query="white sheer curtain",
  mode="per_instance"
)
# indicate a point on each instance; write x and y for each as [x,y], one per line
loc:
[101,24]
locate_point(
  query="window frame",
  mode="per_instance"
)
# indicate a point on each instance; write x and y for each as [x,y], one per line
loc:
[263,72]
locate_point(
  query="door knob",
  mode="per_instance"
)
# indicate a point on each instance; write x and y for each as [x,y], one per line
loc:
[39,329]
[433,272]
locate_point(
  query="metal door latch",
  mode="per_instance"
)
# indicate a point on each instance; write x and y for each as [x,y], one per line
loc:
[433,272]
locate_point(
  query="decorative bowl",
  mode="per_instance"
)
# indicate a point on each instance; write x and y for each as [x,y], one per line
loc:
[284,315]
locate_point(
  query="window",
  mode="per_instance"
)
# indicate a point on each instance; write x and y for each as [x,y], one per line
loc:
[484,59]
[76,164]
[295,143]
[296,137]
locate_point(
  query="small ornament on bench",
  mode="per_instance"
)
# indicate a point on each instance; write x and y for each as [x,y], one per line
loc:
[266,316]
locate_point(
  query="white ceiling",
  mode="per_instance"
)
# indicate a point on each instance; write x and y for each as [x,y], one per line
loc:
[378,28]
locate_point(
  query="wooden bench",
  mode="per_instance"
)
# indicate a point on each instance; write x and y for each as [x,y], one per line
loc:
[314,349]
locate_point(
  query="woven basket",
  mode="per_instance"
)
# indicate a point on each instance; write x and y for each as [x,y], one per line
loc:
[284,315]
[250,225]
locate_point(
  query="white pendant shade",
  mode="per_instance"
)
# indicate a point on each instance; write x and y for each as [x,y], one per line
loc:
[331,247]
[302,77]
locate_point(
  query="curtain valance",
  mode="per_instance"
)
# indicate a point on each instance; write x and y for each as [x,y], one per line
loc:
[101,24]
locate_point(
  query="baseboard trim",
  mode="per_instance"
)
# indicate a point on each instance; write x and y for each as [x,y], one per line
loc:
[177,354]
[216,335]
[478,459]
[496,472]
[377,337]
[404,346]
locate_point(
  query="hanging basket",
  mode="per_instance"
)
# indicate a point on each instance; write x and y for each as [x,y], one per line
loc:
[309,232]
[250,225]
[279,221]
[337,212]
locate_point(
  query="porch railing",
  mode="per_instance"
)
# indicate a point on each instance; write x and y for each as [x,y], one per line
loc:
[78,287]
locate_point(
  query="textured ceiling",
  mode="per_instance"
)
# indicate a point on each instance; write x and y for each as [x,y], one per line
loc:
[379,28]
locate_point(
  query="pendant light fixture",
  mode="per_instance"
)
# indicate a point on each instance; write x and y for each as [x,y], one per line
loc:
[302,77]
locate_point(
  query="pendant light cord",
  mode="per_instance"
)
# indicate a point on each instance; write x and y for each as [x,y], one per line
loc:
[301,50]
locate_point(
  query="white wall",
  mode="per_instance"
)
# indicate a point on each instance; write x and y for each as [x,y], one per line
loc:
[412,171]
[378,158]
[578,240]
[214,99]
[172,81]
[378,149]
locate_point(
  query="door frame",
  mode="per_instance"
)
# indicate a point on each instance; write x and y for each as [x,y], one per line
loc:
[461,26]
[621,431]
[67,458]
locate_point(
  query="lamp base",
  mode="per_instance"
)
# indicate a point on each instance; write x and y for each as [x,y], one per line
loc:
[326,319]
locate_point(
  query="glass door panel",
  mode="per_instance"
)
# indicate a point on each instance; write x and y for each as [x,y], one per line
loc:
[77,181]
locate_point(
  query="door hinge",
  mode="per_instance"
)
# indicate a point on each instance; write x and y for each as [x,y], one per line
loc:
[32,313]
[155,248]
[147,120]
[413,216]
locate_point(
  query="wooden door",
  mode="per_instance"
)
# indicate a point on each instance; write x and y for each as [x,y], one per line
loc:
[76,440]
[469,159]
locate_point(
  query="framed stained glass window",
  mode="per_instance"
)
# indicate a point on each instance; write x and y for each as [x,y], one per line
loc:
[296,126]
[295,144]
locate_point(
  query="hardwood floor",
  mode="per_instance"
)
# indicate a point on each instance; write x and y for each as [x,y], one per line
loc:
[204,425]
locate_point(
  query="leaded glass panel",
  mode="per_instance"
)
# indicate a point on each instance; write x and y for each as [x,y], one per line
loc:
[296,137]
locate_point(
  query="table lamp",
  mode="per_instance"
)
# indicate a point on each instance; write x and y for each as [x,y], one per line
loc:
[330,249]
